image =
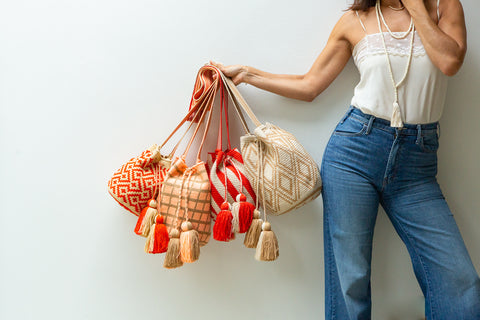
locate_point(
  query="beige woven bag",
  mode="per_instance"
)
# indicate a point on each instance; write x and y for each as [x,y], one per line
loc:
[289,176]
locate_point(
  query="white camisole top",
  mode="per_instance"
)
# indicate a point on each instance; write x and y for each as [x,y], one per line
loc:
[422,95]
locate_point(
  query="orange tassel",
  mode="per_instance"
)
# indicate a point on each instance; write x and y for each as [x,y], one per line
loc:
[146,219]
[158,238]
[222,229]
[242,212]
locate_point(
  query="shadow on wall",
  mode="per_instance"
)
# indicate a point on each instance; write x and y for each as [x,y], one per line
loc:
[459,151]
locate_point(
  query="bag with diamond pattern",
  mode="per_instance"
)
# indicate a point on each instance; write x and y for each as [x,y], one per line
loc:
[276,162]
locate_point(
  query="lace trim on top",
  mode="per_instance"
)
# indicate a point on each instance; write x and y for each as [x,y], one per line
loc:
[372,44]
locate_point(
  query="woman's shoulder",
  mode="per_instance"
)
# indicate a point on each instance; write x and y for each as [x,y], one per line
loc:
[349,26]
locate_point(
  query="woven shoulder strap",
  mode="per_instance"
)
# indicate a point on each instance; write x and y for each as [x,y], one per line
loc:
[205,87]
[241,101]
[236,105]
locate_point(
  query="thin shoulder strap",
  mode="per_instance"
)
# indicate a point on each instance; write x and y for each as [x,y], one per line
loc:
[438,10]
[360,19]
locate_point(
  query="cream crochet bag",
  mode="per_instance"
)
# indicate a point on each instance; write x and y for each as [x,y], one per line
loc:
[288,176]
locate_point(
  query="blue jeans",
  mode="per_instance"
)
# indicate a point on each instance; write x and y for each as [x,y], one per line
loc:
[366,163]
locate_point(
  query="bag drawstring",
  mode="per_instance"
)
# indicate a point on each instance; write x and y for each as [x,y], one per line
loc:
[267,246]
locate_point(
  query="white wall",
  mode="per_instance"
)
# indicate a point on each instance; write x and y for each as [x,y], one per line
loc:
[85,85]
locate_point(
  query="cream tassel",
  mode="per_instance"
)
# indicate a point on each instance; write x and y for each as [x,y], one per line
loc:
[267,247]
[172,257]
[146,219]
[253,233]
[396,117]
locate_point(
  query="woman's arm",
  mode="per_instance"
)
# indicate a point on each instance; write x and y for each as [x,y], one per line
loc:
[306,87]
[445,44]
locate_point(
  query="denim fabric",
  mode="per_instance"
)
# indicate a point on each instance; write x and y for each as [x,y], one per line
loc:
[367,163]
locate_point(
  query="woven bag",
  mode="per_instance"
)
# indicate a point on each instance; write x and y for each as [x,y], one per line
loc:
[134,184]
[185,191]
[225,167]
[274,159]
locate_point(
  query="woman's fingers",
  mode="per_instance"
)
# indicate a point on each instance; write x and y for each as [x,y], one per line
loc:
[232,71]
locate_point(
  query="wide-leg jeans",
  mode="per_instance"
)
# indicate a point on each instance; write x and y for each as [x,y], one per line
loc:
[368,163]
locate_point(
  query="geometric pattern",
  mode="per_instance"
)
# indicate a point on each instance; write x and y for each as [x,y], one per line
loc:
[185,195]
[229,162]
[134,184]
[290,175]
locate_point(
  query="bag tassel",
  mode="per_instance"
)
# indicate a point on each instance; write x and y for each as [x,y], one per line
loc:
[222,229]
[157,241]
[146,219]
[172,257]
[242,212]
[189,243]
[267,247]
[253,233]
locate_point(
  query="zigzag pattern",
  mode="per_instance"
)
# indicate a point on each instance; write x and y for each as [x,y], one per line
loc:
[133,185]
[290,175]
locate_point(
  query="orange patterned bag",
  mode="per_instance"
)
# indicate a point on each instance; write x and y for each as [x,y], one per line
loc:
[134,184]
[185,191]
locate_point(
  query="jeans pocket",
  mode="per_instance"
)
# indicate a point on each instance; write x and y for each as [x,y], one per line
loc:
[429,143]
[350,128]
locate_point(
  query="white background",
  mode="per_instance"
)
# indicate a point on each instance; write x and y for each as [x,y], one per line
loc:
[85,85]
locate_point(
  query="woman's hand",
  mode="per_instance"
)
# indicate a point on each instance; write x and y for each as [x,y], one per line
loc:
[411,4]
[305,87]
[445,42]
[236,72]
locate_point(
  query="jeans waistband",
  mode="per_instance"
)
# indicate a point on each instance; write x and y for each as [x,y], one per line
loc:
[408,128]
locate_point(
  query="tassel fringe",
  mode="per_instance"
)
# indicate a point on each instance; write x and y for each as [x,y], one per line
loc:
[242,212]
[253,234]
[146,219]
[222,229]
[189,243]
[267,247]
[172,257]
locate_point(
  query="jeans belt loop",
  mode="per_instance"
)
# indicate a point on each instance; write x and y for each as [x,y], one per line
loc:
[370,123]
[438,129]
[419,133]
[350,109]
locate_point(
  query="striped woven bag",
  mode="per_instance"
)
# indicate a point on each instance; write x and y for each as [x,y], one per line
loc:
[225,168]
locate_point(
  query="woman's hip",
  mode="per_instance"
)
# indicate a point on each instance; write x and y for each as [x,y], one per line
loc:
[368,145]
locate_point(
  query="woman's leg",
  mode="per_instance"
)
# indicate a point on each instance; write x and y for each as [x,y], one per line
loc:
[440,259]
[417,208]
[350,206]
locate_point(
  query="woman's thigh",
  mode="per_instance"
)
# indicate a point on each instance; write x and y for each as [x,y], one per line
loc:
[440,259]
[350,203]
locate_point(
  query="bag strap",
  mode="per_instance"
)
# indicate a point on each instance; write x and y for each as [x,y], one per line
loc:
[206,108]
[235,105]
[207,125]
[242,101]
[194,113]
[203,83]
[223,106]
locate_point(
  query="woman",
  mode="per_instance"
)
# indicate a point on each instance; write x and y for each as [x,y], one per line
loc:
[384,151]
